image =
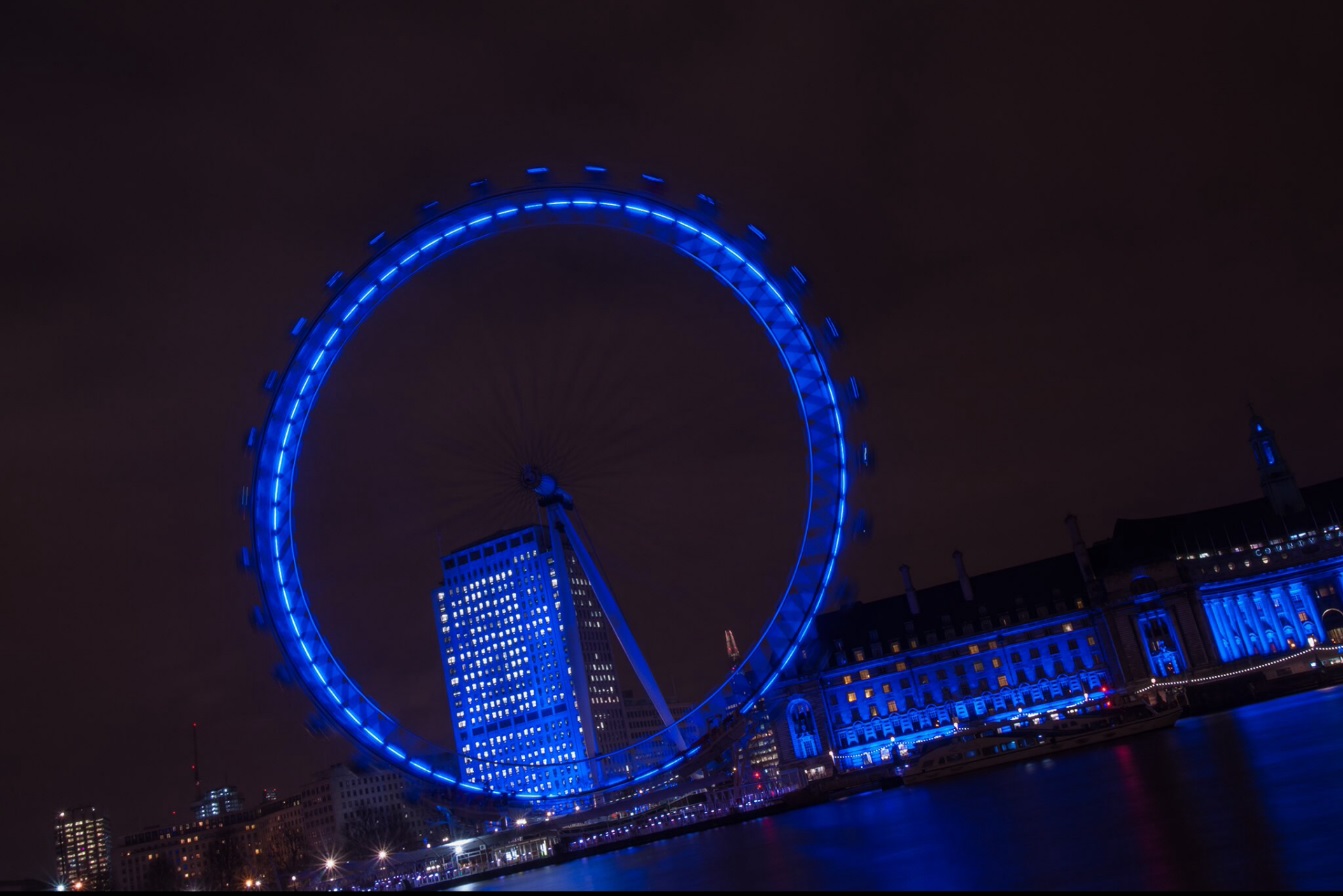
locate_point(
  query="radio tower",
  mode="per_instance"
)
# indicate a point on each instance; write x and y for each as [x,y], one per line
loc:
[732,652]
[195,761]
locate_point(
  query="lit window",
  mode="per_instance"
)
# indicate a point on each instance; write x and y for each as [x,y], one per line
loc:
[852,697]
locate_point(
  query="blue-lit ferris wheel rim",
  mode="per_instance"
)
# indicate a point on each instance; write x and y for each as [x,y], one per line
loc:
[773,303]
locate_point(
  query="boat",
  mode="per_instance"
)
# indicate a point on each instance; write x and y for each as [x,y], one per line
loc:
[1017,741]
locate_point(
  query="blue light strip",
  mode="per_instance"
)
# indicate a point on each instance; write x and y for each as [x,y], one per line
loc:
[297,391]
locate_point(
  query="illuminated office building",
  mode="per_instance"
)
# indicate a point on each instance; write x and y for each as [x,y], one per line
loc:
[82,850]
[529,665]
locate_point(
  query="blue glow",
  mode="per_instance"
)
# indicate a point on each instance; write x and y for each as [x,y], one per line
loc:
[833,330]
[798,274]
[334,279]
[298,327]
[374,735]
[353,718]
[594,169]
[810,379]
[537,170]
[705,199]
[479,183]
[653,179]
[377,239]
[1268,454]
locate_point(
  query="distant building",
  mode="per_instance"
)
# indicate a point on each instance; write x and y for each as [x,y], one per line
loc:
[369,807]
[221,801]
[82,849]
[264,845]
[529,664]
[1201,593]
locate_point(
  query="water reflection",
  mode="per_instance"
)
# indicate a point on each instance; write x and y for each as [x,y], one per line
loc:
[1241,800]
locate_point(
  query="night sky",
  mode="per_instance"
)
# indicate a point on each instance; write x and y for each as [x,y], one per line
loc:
[1066,243]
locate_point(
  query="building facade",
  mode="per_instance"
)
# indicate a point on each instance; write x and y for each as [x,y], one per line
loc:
[1206,593]
[529,664]
[82,849]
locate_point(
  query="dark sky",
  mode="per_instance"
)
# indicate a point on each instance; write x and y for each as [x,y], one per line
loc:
[1067,243]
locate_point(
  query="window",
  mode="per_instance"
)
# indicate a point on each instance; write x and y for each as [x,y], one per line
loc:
[864,675]
[886,687]
[858,656]
[974,648]
[848,679]
[867,693]
[852,697]
[891,707]
[1002,681]
[900,666]
[872,712]
[979,666]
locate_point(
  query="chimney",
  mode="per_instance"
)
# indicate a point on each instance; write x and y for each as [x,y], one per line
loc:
[1079,549]
[959,559]
[909,589]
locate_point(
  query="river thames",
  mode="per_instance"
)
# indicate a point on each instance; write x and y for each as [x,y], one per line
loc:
[1245,799]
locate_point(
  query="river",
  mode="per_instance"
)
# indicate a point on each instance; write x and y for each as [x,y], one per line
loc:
[1238,800]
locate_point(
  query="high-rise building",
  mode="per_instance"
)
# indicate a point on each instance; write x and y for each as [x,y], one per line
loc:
[82,849]
[529,664]
[220,801]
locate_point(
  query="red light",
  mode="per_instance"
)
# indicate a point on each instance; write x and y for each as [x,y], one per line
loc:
[1107,704]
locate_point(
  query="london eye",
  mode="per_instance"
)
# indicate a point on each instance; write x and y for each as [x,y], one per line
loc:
[738,267]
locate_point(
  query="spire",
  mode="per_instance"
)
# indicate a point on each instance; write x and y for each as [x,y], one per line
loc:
[1275,477]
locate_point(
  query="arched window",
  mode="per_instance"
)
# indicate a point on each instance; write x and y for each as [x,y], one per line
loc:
[802,726]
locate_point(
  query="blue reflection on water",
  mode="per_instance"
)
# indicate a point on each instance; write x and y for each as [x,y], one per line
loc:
[1240,800]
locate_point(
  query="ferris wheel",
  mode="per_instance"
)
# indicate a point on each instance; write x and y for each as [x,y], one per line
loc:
[737,266]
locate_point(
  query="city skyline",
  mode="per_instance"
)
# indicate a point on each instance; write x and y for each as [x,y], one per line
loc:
[1065,248]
